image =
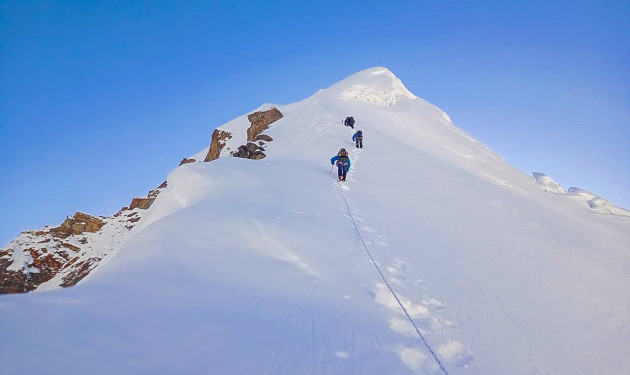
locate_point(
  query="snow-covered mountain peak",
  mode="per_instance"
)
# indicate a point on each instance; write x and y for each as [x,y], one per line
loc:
[375,85]
[436,256]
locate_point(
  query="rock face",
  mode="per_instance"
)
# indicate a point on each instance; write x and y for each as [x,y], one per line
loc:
[260,122]
[142,203]
[249,151]
[62,256]
[263,138]
[186,161]
[219,138]
[78,224]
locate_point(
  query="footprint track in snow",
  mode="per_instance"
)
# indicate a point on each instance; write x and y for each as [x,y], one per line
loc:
[423,313]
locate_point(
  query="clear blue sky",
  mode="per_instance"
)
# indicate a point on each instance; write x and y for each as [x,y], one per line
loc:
[100,100]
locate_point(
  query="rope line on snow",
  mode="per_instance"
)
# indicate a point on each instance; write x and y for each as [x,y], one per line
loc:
[435,357]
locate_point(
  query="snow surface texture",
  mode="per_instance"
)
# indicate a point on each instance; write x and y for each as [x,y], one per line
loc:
[259,267]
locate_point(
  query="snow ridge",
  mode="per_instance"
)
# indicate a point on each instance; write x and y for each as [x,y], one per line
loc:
[593,201]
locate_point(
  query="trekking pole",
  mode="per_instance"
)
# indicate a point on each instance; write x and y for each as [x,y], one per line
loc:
[331,167]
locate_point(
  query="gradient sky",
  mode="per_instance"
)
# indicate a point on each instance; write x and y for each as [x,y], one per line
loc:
[99,100]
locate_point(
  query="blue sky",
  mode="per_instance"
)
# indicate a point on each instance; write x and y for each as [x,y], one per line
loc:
[100,100]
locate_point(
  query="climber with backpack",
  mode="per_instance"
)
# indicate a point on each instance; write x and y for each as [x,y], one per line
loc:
[343,163]
[349,121]
[358,138]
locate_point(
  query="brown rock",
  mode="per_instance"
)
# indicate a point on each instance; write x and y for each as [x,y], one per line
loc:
[78,228]
[249,151]
[21,281]
[219,139]
[70,246]
[263,137]
[12,281]
[260,122]
[80,271]
[71,262]
[186,161]
[78,224]
[92,224]
[143,203]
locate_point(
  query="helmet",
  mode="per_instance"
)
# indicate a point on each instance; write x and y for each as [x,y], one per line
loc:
[343,149]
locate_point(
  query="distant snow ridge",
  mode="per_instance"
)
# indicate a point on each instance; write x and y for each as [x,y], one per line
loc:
[595,202]
[385,89]
[547,183]
[598,203]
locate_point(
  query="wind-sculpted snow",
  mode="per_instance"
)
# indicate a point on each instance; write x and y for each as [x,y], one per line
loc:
[383,88]
[547,183]
[598,204]
[261,266]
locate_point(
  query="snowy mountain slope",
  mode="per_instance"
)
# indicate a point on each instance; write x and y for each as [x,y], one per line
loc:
[257,267]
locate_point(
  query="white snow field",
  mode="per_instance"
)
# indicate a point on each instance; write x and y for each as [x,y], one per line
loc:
[265,266]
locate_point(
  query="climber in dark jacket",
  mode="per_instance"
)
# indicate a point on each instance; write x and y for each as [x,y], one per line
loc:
[349,121]
[343,163]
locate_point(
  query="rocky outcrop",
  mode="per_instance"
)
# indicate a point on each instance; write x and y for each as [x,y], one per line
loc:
[12,281]
[64,255]
[219,139]
[142,203]
[79,271]
[263,138]
[186,161]
[78,224]
[249,151]
[260,122]
[154,193]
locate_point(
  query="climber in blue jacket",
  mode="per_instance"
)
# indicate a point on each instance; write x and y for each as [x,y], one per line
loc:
[358,138]
[343,163]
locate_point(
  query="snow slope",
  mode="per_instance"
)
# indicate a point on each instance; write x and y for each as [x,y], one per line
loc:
[274,267]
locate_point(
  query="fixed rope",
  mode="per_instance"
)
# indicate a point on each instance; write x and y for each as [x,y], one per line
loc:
[435,357]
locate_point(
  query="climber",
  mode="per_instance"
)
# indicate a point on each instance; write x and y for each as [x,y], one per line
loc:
[349,121]
[343,163]
[358,138]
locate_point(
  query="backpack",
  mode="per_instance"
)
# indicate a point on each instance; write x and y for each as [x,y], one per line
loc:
[359,134]
[350,120]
